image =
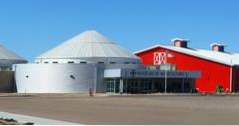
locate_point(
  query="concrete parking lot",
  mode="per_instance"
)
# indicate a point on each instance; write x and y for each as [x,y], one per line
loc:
[136,109]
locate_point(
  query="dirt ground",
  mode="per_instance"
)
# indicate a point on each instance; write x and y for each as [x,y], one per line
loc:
[140,109]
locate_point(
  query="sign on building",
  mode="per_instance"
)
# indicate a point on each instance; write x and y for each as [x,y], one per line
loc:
[161,57]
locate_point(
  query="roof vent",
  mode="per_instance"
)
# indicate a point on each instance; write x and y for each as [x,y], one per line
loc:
[178,42]
[217,47]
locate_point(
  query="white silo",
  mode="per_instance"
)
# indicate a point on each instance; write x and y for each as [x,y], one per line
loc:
[7,60]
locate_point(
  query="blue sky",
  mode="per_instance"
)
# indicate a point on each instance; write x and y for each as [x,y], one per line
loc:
[31,27]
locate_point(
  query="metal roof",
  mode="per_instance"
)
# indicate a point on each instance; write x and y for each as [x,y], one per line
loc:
[6,54]
[220,57]
[87,44]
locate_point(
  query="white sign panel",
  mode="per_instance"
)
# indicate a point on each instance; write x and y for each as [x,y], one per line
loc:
[161,57]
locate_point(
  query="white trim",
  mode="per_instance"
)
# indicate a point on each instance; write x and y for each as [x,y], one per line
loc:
[217,43]
[231,74]
[146,49]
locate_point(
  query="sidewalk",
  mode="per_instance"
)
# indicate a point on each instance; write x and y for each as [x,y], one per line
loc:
[35,120]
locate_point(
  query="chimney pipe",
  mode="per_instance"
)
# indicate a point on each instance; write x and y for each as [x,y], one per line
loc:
[178,42]
[217,47]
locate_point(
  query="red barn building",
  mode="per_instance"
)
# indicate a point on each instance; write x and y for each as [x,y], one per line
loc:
[217,67]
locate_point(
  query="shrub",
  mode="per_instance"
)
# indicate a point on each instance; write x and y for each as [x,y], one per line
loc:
[193,90]
[219,89]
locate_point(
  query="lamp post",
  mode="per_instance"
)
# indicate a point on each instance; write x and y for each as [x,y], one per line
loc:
[165,82]
[165,73]
[167,54]
[160,58]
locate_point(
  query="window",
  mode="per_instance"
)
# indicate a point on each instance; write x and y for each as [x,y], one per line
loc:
[126,62]
[46,62]
[100,62]
[54,62]
[112,62]
[5,68]
[72,77]
[70,62]
[83,62]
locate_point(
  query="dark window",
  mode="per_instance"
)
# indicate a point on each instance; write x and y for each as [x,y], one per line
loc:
[70,61]
[100,62]
[83,62]
[112,62]
[46,62]
[72,77]
[54,62]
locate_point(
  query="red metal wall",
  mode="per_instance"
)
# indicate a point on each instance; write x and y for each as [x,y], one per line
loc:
[212,73]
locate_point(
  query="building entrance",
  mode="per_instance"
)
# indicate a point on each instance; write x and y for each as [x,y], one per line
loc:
[140,85]
[112,85]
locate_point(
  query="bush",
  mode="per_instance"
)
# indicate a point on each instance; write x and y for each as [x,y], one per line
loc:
[193,90]
[28,123]
[219,89]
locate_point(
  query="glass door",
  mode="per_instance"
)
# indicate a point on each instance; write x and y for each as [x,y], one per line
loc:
[112,86]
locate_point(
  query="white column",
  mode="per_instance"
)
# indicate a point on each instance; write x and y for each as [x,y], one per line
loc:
[121,85]
[114,85]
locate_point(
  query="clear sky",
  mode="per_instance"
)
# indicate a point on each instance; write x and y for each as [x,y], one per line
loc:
[31,27]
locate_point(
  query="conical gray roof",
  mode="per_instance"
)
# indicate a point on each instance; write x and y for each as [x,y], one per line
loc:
[6,54]
[87,44]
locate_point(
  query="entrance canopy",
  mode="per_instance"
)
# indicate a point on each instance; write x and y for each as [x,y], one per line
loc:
[147,73]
